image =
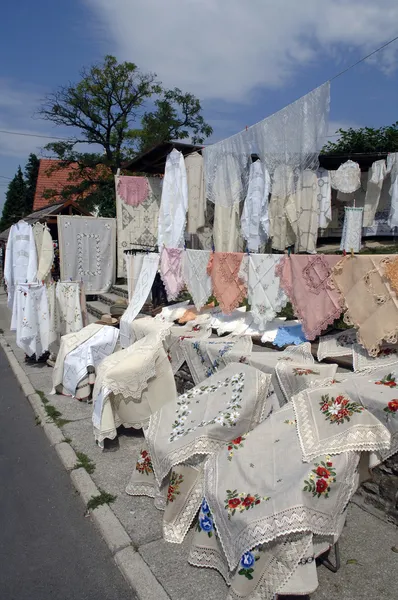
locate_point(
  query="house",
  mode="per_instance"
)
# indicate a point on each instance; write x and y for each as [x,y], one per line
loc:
[51,178]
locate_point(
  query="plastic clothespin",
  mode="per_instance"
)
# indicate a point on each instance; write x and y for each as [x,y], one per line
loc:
[352,252]
[213,248]
[344,253]
[288,252]
[248,251]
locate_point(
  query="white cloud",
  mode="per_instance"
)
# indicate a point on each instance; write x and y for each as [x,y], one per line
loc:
[225,49]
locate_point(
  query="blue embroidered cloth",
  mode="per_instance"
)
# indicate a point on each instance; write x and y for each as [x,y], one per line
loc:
[292,334]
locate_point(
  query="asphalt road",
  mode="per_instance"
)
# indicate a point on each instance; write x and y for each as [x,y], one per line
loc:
[48,549]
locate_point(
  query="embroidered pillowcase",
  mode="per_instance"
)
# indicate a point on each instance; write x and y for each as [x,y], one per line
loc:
[296,377]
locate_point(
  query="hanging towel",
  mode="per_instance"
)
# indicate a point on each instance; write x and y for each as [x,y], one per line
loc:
[254,220]
[376,175]
[174,204]
[265,295]
[21,258]
[352,229]
[196,192]
[171,271]
[227,286]
[196,277]
[308,284]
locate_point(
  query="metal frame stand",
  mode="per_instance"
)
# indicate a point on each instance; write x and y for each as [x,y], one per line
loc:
[325,561]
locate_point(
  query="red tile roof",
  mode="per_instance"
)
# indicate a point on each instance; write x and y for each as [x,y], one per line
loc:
[49,179]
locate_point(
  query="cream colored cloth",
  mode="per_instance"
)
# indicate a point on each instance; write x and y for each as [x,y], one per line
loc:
[282,209]
[130,386]
[306,201]
[376,175]
[226,229]
[70,342]
[295,377]
[45,251]
[371,304]
[196,192]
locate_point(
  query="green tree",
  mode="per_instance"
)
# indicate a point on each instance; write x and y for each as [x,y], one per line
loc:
[364,140]
[15,204]
[31,174]
[108,110]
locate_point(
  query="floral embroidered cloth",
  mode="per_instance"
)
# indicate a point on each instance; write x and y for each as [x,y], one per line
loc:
[21,259]
[174,203]
[196,192]
[387,355]
[132,190]
[205,357]
[332,420]
[255,219]
[69,308]
[370,302]
[338,344]
[352,229]
[90,353]
[308,284]
[377,391]
[171,271]
[264,293]
[292,334]
[137,225]
[295,377]
[31,318]
[196,277]
[87,251]
[205,418]
[140,295]
[257,496]
[228,288]
[130,385]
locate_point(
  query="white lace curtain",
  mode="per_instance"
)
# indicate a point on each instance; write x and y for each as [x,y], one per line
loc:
[293,136]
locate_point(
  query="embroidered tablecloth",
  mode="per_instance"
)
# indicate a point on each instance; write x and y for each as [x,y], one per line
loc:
[137,222]
[87,251]
[224,269]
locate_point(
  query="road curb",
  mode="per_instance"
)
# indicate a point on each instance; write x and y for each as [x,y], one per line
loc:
[132,566]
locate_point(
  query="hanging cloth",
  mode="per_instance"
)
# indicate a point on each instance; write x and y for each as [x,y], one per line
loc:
[133,269]
[352,229]
[171,271]
[254,220]
[306,201]
[376,176]
[226,229]
[196,277]
[133,190]
[324,198]
[21,258]
[141,292]
[69,308]
[282,209]
[308,284]
[392,169]
[45,250]
[227,286]
[31,319]
[265,295]
[347,178]
[174,204]
[196,192]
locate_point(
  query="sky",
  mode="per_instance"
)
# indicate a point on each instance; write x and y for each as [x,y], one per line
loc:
[243,59]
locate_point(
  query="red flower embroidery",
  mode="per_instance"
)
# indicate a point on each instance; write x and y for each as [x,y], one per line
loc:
[248,501]
[393,405]
[339,399]
[322,472]
[237,441]
[321,486]
[144,454]
[329,464]
[234,503]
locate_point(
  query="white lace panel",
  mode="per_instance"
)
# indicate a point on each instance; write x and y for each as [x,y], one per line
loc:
[352,229]
[196,278]
[255,220]
[265,294]
[144,284]
[174,203]
[376,175]
[306,199]
[31,318]
[196,192]
[324,198]
[347,178]
[293,136]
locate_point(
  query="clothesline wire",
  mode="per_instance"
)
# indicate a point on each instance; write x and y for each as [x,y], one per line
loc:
[363,59]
